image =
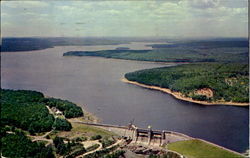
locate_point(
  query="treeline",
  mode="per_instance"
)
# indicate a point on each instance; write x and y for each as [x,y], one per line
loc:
[29,44]
[27,110]
[24,44]
[117,53]
[215,43]
[229,82]
[191,52]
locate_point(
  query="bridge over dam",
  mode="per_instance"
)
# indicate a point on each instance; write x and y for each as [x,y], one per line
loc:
[148,137]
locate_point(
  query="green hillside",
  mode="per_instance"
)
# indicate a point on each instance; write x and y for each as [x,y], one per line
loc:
[226,82]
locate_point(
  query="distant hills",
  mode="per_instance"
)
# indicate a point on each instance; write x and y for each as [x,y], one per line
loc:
[10,44]
[29,44]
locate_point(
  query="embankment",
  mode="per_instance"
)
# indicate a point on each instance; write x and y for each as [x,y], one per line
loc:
[180,96]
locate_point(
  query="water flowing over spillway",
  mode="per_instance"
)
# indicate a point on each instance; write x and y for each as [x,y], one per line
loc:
[95,83]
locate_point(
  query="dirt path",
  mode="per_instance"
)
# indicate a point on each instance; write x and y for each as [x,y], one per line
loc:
[50,141]
[88,144]
[100,147]
[42,138]
[118,142]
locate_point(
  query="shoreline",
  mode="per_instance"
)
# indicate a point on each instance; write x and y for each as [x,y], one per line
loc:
[179,95]
[172,63]
[87,116]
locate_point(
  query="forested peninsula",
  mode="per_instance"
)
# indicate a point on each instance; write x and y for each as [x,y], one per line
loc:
[204,83]
[182,51]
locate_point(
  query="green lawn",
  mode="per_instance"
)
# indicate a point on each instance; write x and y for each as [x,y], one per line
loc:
[90,131]
[199,149]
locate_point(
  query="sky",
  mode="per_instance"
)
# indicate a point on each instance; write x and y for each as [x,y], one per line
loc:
[125,18]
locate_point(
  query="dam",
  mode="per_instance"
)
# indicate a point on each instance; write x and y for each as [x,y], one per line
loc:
[148,137]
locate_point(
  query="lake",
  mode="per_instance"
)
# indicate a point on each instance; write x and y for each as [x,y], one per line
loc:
[95,84]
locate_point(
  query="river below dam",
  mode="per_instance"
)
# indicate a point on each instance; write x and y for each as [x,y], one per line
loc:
[95,83]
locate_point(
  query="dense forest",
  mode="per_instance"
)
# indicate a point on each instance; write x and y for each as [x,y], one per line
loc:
[206,51]
[227,81]
[14,143]
[25,112]
[24,44]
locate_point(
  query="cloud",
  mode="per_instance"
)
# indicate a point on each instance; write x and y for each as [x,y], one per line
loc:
[65,8]
[234,3]
[25,4]
[4,14]
[201,4]
[113,12]
[80,23]
[124,18]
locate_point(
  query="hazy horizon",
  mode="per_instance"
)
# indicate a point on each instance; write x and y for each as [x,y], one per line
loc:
[125,19]
[131,37]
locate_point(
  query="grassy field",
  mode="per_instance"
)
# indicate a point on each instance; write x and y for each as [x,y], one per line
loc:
[199,149]
[90,131]
[81,130]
